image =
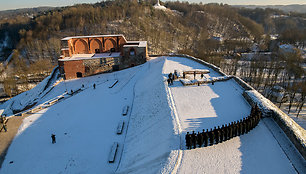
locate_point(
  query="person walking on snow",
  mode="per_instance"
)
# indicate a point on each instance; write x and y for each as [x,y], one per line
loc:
[94,86]
[53,138]
[168,80]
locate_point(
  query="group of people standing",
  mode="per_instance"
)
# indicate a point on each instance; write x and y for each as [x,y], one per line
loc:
[226,132]
[172,77]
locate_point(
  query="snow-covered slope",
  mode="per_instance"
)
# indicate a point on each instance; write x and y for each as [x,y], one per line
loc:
[153,137]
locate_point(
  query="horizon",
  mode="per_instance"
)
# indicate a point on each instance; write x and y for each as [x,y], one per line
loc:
[22,4]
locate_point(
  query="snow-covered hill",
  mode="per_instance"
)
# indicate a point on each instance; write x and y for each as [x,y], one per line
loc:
[152,141]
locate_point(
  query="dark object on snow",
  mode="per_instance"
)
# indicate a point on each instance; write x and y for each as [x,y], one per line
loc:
[94,86]
[212,82]
[113,152]
[205,137]
[194,140]
[11,162]
[211,136]
[217,133]
[53,138]
[120,127]
[188,140]
[199,139]
[222,134]
[225,132]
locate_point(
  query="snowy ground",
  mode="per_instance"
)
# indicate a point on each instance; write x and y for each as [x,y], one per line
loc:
[206,106]
[152,141]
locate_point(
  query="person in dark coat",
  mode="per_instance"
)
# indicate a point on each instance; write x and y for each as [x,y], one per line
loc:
[230,126]
[194,140]
[253,122]
[211,137]
[222,134]
[53,138]
[188,140]
[169,75]
[217,135]
[194,75]
[240,127]
[247,125]
[205,137]
[244,126]
[235,129]
[225,132]
[94,86]
[168,80]
[202,75]
[200,139]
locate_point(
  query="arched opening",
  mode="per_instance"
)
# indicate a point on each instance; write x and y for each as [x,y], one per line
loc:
[109,44]
[95,46]
[81,47]
[79,74]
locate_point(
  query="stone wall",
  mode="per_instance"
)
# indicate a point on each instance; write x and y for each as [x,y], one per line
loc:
[72,67]
[138,57]
[294,132]
[94,66]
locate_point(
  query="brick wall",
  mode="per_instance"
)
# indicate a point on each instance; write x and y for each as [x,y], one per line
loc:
[72,67]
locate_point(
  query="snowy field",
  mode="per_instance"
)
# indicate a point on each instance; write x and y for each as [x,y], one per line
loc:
[153,137]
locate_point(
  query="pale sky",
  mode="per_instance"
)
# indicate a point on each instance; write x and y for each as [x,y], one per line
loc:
[14,4]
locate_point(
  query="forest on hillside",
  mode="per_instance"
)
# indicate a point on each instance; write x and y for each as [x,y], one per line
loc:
[32,38]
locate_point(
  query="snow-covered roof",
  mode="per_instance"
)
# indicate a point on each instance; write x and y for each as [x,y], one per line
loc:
[78,37]
[90,56]
[287,48]
[136,44]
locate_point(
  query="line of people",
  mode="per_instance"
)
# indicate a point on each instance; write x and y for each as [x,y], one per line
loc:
[226,132]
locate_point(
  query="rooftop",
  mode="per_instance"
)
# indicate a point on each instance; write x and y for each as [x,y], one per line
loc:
[78,37]
[90,56]
[136,44]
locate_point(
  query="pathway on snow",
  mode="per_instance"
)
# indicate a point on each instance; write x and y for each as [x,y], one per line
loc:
[206,106]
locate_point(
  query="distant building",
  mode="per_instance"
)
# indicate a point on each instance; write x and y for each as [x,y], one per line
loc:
[87,55]
[159,7]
